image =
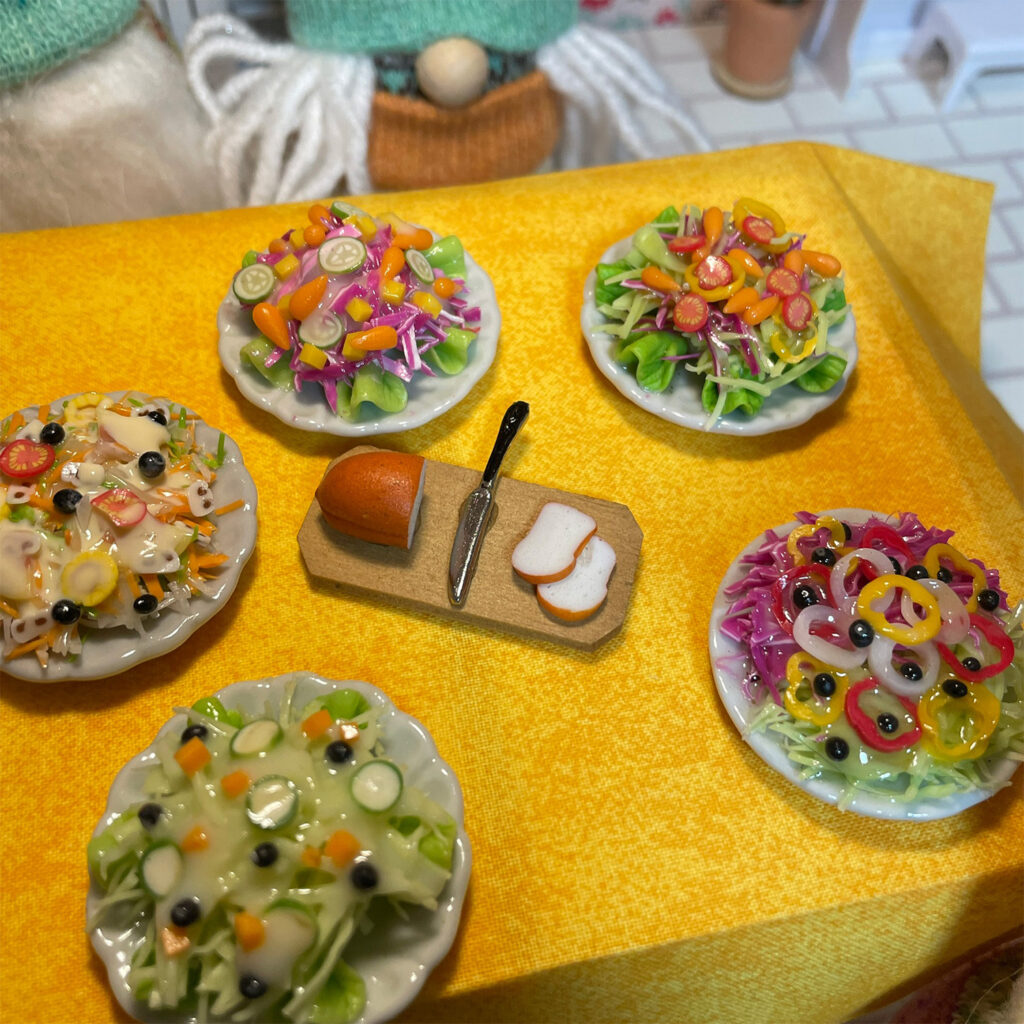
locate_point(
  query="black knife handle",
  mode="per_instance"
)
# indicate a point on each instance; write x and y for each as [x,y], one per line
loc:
[515,417]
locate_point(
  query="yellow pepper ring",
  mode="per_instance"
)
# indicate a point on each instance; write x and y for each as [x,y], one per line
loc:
[811,710]
[908,636]
[808,530]
[786,354]
[981,707]
[739,276]
[747,207]
[960,561]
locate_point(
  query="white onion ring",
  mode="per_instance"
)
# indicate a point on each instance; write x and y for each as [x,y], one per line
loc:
[956,620]
[841,657]
[882,668]
[837,579]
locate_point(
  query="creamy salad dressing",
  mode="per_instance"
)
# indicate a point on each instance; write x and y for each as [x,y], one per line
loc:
[301,896]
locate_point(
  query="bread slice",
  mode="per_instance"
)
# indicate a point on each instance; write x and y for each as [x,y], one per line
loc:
[549,551]
[584,590]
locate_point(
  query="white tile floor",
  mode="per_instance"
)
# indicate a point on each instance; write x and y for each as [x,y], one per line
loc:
[892,111]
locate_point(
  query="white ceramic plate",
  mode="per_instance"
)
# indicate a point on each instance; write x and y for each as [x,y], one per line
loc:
[109,651]
[395,958]
[429,397]
[728,675]
[680,401]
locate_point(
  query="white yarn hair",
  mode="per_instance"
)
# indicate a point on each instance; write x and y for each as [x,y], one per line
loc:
[114,135]
[610,96]
[290,123]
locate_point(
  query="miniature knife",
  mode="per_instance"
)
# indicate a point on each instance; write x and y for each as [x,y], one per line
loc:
[479,507]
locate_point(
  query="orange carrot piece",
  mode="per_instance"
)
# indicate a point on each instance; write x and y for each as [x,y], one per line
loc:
[153,585]
[317,724]
[209,561]
[44,413]
[174,940]
[195,840]
[445,287]
[421,238]
[743,298]
[229,507]
[37,500]
[234,784]
[712,223]
[25,648]
[249,931]
[750,265]
[760,310]
[656,278]
[16,423]
[794,260]
[311,857]
[342,847]
[8,609]
[133,584]
[822,262]
[192,756]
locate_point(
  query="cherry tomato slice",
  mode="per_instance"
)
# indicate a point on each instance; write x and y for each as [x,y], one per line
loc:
[758,229]
[690,313]
[120,506]
[686,243]
[24,459]
[714,272]
[782,282]
[797,311]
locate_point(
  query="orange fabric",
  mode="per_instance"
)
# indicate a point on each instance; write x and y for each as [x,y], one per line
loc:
[633,859]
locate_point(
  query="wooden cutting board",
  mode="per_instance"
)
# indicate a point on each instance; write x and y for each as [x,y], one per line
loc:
[498,598]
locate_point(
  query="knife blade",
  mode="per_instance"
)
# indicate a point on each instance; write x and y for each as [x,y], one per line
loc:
[478,508]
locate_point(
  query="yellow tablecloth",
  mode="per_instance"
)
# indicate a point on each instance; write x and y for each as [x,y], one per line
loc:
[633,859]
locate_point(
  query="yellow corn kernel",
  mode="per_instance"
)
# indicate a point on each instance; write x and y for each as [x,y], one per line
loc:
[393,292]
[313,356]
[286,266]
[297,239]
[365,224]
[359,309]
[284,304]
[428,303]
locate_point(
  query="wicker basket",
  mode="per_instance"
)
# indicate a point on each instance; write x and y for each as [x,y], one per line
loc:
[509,131]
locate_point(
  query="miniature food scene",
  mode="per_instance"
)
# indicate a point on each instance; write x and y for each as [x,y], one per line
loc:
[512,512]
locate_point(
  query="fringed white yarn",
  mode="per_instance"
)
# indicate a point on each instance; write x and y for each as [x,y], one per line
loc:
[298,118]
[603,82]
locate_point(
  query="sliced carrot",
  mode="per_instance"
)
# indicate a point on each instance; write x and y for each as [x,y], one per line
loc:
[195,840]
[234,784]
[209,561]
[229,507]
[311,857]
[17,421]
[342,847]
[204,526]
[25,648]
[317,723]
[153,585]
[249,931]
[445,287]
[37,500]
[133,584]
[7,609]
[44,413]
[192,756]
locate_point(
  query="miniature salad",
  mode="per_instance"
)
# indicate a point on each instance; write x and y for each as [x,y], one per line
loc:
[880,656]
[107,520]
[734,298]
[253,860]
[357,306]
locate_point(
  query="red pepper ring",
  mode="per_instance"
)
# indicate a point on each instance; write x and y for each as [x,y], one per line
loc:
[994,633]
[782,582]
[867,728]
[887,535]
[23,459]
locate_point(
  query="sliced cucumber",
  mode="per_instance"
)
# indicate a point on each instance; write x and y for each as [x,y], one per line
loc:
[420,265]
[377,785]
[161,867]
[292,925]
[341,255]
[272,802]
[341,210]
[322,329]
[256,738]
[254,283]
